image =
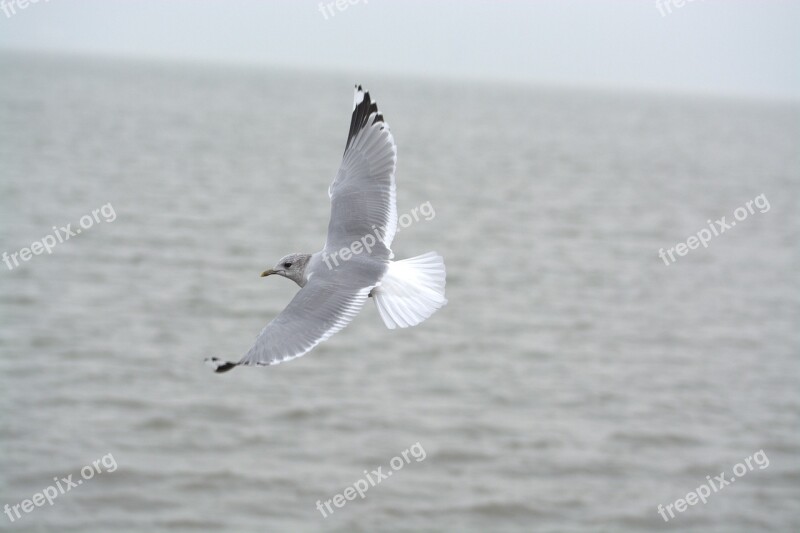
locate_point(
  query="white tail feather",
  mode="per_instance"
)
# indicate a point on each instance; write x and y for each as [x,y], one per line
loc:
[411,290]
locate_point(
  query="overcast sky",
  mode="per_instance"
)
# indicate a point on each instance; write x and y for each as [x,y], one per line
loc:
[742,47]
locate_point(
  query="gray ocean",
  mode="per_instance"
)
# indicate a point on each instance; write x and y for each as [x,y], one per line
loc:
[574,382]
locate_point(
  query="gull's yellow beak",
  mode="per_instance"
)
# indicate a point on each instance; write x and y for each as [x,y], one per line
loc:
[267,273]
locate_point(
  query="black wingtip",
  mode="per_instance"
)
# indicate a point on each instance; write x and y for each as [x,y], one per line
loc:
[225,367]
[362,111]
[220,366]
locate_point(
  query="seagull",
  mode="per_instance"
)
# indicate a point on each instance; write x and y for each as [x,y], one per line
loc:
[356,261]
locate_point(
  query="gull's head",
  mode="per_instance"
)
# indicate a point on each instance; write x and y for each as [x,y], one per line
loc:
[292,266]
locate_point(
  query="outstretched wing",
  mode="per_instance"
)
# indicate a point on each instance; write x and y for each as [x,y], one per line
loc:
[327,303]
[362,194]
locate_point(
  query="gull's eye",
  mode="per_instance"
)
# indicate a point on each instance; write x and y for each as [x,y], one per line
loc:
[287,264]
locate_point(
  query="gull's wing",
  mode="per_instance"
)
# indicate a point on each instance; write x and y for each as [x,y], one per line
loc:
[363,192]
[326,304]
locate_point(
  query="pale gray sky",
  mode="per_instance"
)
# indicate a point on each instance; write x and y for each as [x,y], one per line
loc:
[740,47]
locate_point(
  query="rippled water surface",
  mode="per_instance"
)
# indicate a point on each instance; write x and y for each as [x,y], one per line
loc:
[573,383]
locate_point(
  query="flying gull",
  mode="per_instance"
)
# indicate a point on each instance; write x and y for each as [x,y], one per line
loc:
[360,232]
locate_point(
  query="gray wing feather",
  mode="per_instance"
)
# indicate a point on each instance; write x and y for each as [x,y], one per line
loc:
[327,303]
[363,193]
